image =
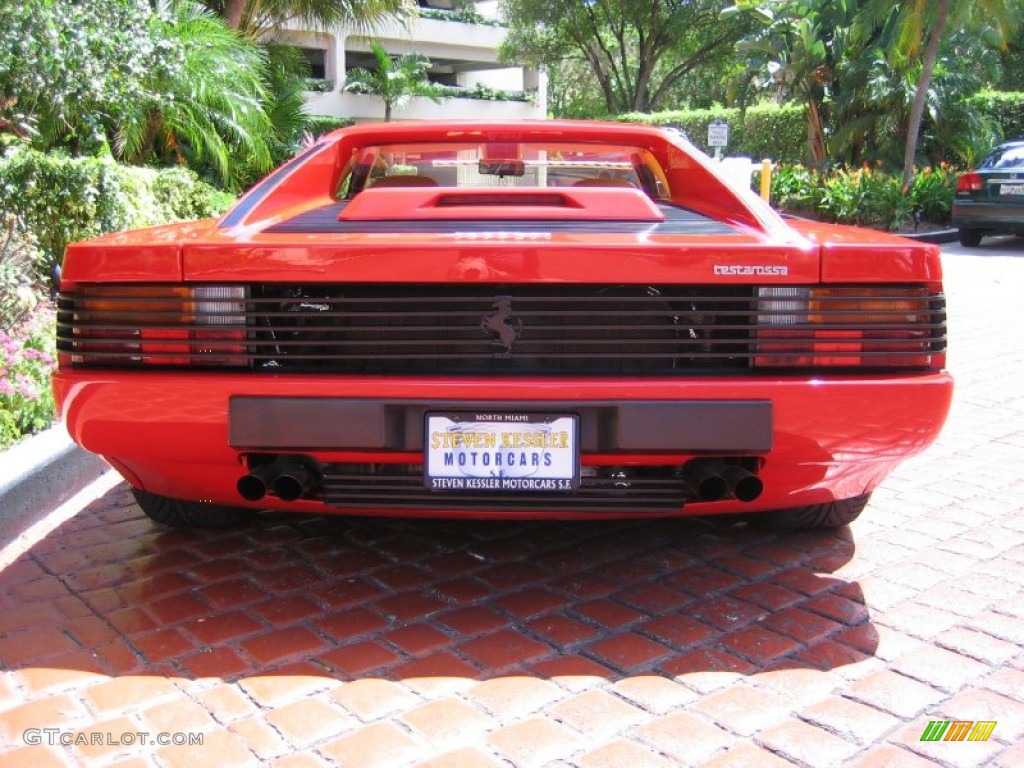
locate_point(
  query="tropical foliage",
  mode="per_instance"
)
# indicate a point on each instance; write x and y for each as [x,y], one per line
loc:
[917,30]
[164,81]
[877,77]
[20,281]
[206,108]
[876,80]
[164,84]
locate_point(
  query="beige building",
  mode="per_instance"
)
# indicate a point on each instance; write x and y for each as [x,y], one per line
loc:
[462,54]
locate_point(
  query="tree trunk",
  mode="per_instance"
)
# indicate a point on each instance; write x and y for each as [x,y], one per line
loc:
[233,12]
[815,135]
[931,52]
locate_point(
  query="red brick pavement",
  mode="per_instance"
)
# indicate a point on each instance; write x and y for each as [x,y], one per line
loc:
[365,642]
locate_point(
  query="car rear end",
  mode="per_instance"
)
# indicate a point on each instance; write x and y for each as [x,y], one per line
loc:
[571,350]
[990,199]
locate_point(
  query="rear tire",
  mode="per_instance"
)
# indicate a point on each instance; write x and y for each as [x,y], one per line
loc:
[178,513]
[969,238]
[818,517]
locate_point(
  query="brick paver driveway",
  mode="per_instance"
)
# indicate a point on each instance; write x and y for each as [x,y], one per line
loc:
[311,642]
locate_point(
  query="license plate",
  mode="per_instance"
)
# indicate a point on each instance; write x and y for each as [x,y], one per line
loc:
[502,452]
[1011,189]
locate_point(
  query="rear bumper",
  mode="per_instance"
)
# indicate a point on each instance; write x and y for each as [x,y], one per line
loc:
[187,435]
[991,216]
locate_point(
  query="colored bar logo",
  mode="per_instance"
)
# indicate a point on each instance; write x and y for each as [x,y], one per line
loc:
[958,730]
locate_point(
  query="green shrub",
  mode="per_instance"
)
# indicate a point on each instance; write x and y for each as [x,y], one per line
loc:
[62,199]
[180,196]
[794,188]
[773,131]
[864,196]
[318,125]
[932,192]
[481,92]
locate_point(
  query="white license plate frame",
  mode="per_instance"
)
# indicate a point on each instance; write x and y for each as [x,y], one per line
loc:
[1011,189]
[504,452]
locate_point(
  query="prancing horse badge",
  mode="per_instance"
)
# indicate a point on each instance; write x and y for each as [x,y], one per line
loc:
[501,322]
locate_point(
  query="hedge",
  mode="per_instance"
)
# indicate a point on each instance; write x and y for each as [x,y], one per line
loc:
[318,125]
[62,199]
[773,131]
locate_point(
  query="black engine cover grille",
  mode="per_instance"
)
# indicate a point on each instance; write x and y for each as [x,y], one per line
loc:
[493,329]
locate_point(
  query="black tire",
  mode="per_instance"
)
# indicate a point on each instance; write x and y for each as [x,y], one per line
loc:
[969,238]
[178,513]
[818,517]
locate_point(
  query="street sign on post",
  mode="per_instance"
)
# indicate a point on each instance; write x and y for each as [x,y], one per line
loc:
[718,136]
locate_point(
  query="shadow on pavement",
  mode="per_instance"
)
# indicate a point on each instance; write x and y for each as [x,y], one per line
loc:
[347,598]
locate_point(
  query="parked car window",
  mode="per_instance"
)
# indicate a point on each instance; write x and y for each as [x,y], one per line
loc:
[1006,156]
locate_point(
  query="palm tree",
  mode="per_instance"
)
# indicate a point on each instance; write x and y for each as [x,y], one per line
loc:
[925,23]
[871,107]
[206,107]
[396,79]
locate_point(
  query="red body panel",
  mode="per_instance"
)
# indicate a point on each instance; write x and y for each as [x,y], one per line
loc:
[834,435]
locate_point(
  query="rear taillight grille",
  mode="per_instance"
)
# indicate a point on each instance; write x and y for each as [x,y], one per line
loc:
[495,330]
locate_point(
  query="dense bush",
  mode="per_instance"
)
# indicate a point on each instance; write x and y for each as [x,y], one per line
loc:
[865,196]
[63,199]
[762,131]
[318,125]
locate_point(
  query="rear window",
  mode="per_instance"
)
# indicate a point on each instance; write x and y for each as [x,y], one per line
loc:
[502,164]
[1004,157]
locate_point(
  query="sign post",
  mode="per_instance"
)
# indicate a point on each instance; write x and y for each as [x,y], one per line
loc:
[718,136]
